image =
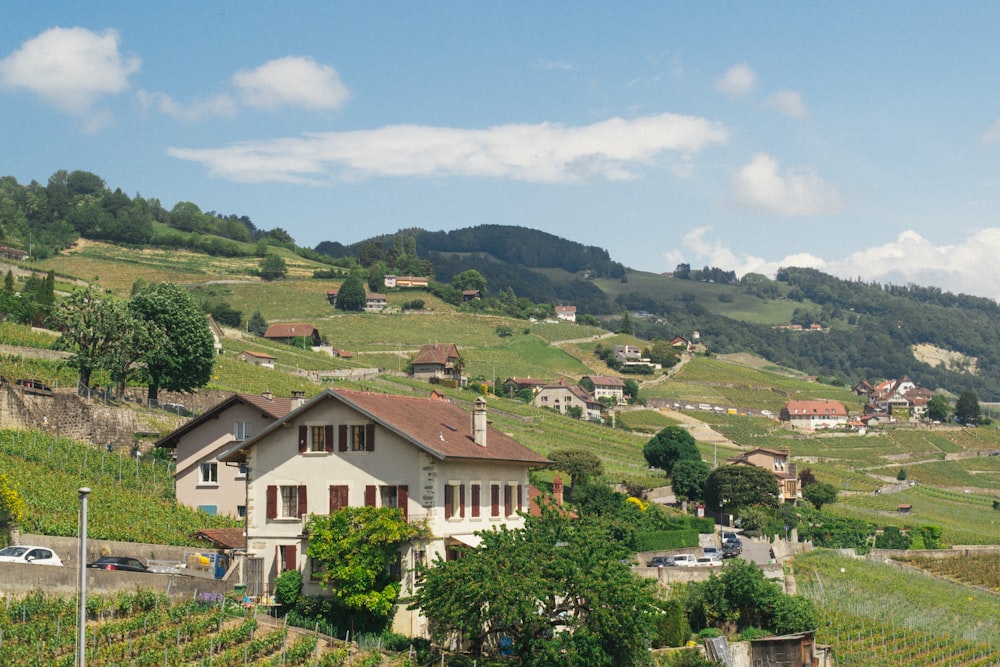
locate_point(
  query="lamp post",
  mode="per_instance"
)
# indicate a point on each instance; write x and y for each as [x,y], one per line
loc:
[81,620]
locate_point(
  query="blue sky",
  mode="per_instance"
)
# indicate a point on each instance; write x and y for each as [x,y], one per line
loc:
[859,138]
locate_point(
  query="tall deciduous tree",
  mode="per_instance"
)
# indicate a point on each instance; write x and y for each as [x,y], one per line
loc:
[86,330]
[820,494]
[272,267]
[351,295]
[579,463]
[556,589]
[469,280]
[669,446]
[938,408]
[967,407]
[184,361]
[353,548]
[688,478]
[257,325]
[731,487]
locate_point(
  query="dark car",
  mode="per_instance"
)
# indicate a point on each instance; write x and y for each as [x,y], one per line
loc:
[123,563]
[661,561]
[732,548]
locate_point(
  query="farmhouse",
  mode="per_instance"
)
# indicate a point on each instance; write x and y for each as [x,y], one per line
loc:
[256,358]
[775,460]
[406,281]
[288,333]
[811,415]
[438,362]
[562,396]
[606,386]
[567,313]
[426,456]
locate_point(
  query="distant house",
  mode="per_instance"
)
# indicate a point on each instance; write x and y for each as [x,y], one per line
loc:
[681,343]
[515,384]
[567,313]
[375,303]
[203,482]
[287,333]
[606,386]
[561,396]
[626,353]
[438,362]
[775,460]
[471,295]
[811,415]
[6,252]
[406,281]
[256,358]
[863,388]
[331,296]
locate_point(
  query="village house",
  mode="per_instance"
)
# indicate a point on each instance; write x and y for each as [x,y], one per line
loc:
[900,398]
[513,385]
[435,362]
[775,460]
[201,481]
[606,386]
[812,415]
[444,468]
[288,333]
[256,358]
[375,303]
[567,313]
[561,396]
[6,252]
[406,281]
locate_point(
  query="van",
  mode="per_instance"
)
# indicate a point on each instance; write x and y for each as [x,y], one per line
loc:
[704,406]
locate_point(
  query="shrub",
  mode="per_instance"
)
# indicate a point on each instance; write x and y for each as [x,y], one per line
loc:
[287,587]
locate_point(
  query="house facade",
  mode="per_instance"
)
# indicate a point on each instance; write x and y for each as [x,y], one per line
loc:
[438,362]
[443,467]
[567,313]
[406,281]
[287,333]
[202,481]
[812,415]
[256,358]
[561,396]
[606,386]
[775,460]
[375,303]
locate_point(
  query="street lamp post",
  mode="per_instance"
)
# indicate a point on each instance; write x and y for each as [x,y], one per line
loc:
[82,563]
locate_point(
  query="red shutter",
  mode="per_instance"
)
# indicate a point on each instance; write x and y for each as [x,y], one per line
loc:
[494,500]
[303,506]
[449,500]
[291,563]
[370,492]
[508,500]
[338,497]
[272,502]
[328,436]
[370,438]
[474,492]
[303,438]
[403,496]
[342,437]
[461,501]
[519,487]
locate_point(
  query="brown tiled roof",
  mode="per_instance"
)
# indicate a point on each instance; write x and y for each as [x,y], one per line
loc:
[606,380]
[289,330]
[259,355]
[820,408]
[275,407]
[436,354]
[225,538]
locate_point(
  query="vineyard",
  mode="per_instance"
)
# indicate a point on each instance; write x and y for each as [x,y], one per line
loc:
[143,628]
[912,620]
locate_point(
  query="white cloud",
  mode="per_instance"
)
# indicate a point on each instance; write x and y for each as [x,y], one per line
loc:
[737,81]
[991,134]
[291,82]
[797,192]
[968,266]
[220,105]
[545,153]
[789,103]
[69,67]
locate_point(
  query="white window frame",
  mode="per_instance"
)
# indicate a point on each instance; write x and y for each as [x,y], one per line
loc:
[241,429]
[288,502]
[208,473]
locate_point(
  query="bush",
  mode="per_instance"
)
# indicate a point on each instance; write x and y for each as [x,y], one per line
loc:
[287,587]
[664,540]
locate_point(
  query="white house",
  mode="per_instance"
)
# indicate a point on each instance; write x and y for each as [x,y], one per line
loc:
[567,313]
[811,415]
[427,456]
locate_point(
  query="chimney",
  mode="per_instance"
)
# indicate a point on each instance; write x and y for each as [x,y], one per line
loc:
[479,422]
[557,490]
[298,399]
[267,396]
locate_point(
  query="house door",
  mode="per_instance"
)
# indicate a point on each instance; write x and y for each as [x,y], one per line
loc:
[255,575]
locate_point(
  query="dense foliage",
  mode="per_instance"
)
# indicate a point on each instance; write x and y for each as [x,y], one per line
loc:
[669,446]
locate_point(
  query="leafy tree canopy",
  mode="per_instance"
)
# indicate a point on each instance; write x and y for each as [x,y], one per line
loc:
[351,295]
[688,478]
[669,446]
[557,589]
[938,408]
[272,267]
[579,463]
[967,407]
[820,494]
[730,487]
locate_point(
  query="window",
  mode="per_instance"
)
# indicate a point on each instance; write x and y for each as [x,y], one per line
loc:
[286,558]
[241,430]
[286,502]
[208,473]
[474,499]
[242,472]
[388,496]
[508,500]
[494,500]
[241,511]
[357,437]
[454,500]
[211,510]
[338,497]
[315,438]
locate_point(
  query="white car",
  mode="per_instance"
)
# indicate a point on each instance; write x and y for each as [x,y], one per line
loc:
[709,561]
[30,554]
[685,560]
[765,413]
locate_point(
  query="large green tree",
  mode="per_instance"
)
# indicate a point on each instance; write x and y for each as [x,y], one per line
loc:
[272,267]
[351,295]
[579,463]
[669,446]
[556,589]
[688,478]
[352,549]
[820,494]
[469,280]
[730,487]
[184,361]
[967,407]
[938,408]
[86,329]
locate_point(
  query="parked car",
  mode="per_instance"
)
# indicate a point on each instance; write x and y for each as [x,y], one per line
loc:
[711,551]
[685,560]
[123,563]
[727,535]
[662,561]
[732,548]
[30,554]
[765,413]
[709,561]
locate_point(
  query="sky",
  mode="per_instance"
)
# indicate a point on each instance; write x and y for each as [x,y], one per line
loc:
[858,138]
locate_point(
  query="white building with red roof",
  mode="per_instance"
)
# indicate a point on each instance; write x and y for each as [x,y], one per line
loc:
[812,415]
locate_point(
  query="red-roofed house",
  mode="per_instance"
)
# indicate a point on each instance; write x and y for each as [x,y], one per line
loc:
[440,465]
[567,313]
[256,358]
[438,361]
[561,396]
[201,481]
[606,386]
[811,415]
[287,333]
